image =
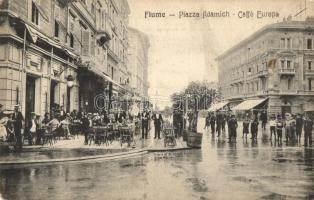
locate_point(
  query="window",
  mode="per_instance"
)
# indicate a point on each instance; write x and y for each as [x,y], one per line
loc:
[289,83]
[93,9]
[282,64]
[309,44]
[309,65]
[288,43]
[288,64]
[282,43]
[310,84]
[71,40]
[56,29]
[35,14]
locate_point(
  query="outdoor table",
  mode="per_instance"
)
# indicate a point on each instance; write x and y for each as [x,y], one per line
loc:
[100,134]
[126,135]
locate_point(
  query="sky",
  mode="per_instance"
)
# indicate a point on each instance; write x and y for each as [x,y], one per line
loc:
[184,49]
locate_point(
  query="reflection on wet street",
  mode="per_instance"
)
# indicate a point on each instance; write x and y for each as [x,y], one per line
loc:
[217,171]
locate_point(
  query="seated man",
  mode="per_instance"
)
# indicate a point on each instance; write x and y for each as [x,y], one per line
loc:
[54,124]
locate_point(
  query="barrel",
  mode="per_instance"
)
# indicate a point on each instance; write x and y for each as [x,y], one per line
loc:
[194,139]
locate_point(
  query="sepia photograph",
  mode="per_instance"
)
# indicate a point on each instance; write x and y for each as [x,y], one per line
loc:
[156,99]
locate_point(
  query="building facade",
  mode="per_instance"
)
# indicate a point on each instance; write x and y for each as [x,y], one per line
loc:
[138,59]
[61,53]
[275,63]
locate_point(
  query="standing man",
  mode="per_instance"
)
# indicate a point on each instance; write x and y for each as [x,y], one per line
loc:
[232,125]
[263,118]
[299,126]
[212,123]
[218,123]
[145,118]
[207,121]
[18,125]
[158,121]
[85,127]
[254,128]
[308,128]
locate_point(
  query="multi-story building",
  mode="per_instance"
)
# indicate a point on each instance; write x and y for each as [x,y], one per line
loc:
[56,52]
[275,64]
[138,59]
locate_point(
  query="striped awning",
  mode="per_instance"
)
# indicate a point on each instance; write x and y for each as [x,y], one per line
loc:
[248,104]
[218,106]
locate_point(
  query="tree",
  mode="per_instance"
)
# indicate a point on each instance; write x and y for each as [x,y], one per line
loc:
[199,94]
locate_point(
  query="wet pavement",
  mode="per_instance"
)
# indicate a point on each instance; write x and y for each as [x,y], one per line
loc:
[219,170]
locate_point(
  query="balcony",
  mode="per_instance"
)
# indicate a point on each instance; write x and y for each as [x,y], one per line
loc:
[290,72]
[288,92]
[262,73]
[309,72]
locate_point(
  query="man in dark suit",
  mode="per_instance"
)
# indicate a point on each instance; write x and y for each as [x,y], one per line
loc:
[158,121]
[18,125]
[145,118]
[119,117]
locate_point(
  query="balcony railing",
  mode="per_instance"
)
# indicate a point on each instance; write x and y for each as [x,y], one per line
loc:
[289,92]
[287,71]
[262,74]
[309,72]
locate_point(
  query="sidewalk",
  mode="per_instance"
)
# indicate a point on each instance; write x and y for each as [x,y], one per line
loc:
[75,150]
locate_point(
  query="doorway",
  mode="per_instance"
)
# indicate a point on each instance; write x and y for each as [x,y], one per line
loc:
[30,96]
[53,88]
[68,105]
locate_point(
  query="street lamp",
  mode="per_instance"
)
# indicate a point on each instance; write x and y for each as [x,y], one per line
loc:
[70,81]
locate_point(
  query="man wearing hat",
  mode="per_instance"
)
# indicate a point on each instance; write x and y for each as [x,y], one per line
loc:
[18,125]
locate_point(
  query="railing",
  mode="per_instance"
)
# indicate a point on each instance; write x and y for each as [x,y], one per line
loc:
[287,71]
[262,73]
[309,72]
[288,92]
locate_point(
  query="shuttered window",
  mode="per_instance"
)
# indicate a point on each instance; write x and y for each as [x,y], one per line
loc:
[85,42]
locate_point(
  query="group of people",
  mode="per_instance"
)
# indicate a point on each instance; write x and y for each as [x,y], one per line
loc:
[13,125]
[291,125]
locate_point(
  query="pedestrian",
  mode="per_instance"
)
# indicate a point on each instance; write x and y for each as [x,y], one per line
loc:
[207,121]
[263,118]
[32,128]
[18,120]
[39,130]
[218,124]
[85,128]
[223,123]
[308,128]
[279,127]
[158,121]
[293,129]
[287,125]
[272,127]
[212,123]
[233,125]
[145,116]
[246,124]
[254,128]
[299,126]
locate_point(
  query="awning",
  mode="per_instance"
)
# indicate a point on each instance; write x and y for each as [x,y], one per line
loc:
[248,104]
[218,106]
[35,34]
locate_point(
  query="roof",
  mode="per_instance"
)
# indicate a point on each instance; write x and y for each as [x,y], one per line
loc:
[307,24]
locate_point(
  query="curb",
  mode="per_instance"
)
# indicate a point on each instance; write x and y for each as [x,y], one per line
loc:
[173,149]
[107,157]
[103,157]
